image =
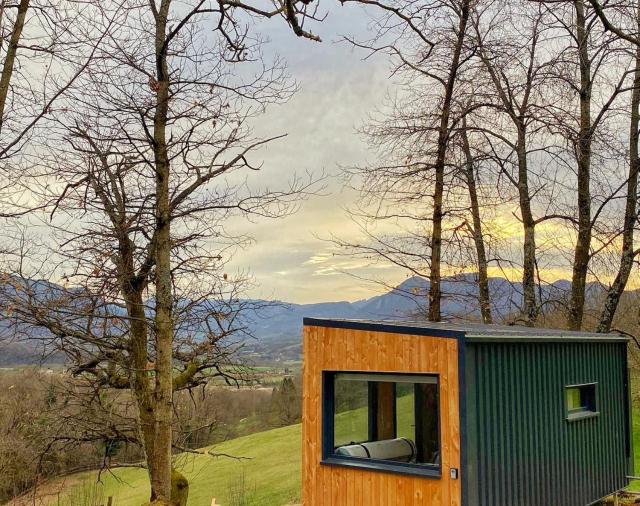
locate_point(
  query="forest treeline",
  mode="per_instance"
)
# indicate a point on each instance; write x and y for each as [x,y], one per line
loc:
[34,404]
[508,143]
[509,146]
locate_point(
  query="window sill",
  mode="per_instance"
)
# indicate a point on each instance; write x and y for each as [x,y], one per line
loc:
[584,415]
[384,466]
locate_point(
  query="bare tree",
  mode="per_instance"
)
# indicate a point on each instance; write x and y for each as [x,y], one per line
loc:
[546,88]
[435,292]
[517,73]
[628,251]
[616,20]
[427,42]
[144,168]
[583,155]
[44,42]
[43,50]
[11,51]
[594,72]
[484,296]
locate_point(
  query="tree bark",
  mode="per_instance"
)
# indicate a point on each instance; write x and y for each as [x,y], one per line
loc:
[583,152]
[10,57]
[139,377]
[529,305]
[435,274]
[160,461]
[627,253]
[478,238]
[132,285]
[518,114]
[133,291]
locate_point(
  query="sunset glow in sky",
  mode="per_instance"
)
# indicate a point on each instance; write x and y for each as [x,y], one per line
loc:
[291,259]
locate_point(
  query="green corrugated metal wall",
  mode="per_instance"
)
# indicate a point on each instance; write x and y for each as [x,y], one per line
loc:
[521,449]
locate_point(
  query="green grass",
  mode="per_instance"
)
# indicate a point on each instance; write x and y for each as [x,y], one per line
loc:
[635,485]
[270,470]
[352,426]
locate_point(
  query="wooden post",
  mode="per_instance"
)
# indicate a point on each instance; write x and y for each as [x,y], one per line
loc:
[386,411]
[110,501]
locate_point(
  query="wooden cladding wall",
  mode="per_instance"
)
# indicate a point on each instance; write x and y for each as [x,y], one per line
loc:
[357,350]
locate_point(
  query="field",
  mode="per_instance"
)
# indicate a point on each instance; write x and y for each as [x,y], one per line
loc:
[265,470]
[635,485]
[268,473]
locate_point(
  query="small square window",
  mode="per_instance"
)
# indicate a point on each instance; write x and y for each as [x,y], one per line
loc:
[580,401]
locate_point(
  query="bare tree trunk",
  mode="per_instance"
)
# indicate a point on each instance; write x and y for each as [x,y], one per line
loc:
[529,306]
[160,463]
[139,374]
[583,152]
[627,253]
[137,354]
[478,238]
[10,57]
[519,110]
[435,275]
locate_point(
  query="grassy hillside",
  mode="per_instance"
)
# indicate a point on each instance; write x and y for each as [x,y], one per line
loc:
[635,485]
[268,473]
[266,470]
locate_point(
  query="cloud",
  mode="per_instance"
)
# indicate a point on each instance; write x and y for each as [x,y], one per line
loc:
[338,89]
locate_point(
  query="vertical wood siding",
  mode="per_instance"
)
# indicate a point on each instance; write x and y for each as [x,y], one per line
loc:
[522,450]
[357,350]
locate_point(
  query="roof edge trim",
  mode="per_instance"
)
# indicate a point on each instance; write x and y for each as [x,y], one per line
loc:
[390,326]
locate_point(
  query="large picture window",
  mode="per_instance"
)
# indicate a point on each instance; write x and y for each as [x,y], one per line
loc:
[382,420]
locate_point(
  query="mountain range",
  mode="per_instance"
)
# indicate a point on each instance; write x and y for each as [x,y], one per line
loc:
[277,326]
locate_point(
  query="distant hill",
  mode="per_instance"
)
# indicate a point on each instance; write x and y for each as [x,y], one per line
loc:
[277,326]
[406,301]
[12,354]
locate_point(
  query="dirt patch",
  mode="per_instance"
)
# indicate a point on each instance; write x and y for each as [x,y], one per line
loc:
[621,499]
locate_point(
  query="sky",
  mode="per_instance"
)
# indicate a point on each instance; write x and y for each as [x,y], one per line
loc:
[291,258]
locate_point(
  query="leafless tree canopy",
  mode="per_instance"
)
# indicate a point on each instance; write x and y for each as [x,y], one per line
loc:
[508,145]
[146,156]
[533,121]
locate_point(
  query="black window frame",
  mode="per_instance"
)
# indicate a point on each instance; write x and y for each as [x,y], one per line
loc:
[590,410]
[328,431]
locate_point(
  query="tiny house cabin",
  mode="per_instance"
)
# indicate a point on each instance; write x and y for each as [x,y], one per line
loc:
[398,413]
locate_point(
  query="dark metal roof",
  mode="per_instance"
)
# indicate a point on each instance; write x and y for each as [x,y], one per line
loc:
[474,332]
